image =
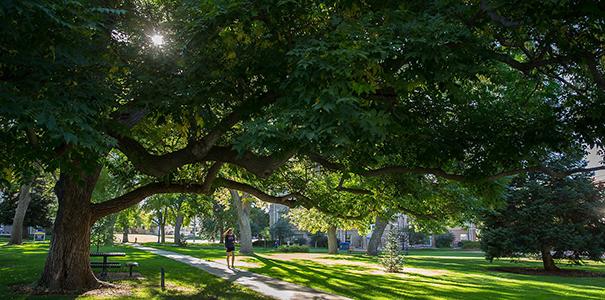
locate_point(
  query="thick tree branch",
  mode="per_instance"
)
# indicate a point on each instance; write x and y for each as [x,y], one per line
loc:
[139,194]
[289,200]
[387,170]
[204,149]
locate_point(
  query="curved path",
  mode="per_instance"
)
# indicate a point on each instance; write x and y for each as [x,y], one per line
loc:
[265,285]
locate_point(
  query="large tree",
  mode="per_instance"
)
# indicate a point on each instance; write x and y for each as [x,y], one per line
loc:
[464,91]
[552,217]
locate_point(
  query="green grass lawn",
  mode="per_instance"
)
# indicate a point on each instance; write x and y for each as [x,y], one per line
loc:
[428,274]
[23,265]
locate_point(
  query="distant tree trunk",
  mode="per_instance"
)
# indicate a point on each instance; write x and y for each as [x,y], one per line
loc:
[221,229]
[159,234]
[548,261]
[243,217]
[125,234]
[177,228]
[376,238]
[68,263]
[332,241]
[163,229]
[17,231]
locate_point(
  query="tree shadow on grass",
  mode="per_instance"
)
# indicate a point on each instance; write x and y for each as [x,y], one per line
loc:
[465,279]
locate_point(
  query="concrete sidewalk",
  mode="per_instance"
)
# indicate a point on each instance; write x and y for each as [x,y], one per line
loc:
[265,285]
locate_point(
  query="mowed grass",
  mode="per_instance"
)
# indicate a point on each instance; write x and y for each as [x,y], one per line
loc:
[20,265]
[428,274]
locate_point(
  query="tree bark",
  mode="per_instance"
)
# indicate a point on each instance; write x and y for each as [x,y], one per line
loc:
[548,261]
[67,265]
[125,234]
[177,228]
[221,229]
[243,217]
[332,240]
[163,231]
[17,230]
[376,238]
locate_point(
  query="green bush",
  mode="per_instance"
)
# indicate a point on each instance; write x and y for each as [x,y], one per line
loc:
[444,240]
[293,248]
[469,245]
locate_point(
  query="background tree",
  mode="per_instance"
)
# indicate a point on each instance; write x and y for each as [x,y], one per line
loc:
[37,210]
[157,207]
[392,258]
[127,219]
[243,205]
[314,221]
[547,215]
[259,221]
[281,230]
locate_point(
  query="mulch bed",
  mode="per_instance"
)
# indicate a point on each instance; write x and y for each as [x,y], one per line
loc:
[539,271]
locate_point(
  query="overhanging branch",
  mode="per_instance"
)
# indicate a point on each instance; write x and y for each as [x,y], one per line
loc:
[289,200]
[139,194]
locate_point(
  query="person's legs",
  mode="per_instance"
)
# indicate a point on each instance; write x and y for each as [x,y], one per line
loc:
[228,253]
[233,259]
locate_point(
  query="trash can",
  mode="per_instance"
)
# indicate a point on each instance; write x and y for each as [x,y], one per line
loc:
[344,246]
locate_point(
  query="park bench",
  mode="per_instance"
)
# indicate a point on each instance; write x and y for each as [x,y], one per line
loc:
[104,265]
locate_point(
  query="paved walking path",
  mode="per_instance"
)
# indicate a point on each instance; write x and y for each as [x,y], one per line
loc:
[265,285]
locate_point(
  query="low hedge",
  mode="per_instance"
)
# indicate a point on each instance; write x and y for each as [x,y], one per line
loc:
[469,245]
[263,243]
[293,248]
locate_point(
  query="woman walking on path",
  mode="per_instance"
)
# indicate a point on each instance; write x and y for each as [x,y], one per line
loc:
[230,246]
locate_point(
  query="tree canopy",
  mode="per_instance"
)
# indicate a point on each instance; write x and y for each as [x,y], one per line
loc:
[240,90]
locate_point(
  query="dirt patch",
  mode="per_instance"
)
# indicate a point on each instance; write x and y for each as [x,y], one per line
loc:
[538,271]
[115,290]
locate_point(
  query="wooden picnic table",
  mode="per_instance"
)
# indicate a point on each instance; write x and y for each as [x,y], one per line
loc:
[105,264]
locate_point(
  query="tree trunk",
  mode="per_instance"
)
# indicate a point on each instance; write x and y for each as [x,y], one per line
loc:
[163,233]
[221,229]
[159,234]
[243,217]
[17,231]
[548,261]
[125,234]
[67,265]
[332,241]
[177,228]
[376,238]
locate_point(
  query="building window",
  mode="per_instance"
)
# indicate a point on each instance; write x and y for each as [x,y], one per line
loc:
[464,237]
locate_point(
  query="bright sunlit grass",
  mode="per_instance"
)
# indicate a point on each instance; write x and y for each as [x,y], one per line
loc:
[428,274]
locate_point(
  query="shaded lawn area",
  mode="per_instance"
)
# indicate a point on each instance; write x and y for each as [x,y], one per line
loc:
[23,265]
[429,274]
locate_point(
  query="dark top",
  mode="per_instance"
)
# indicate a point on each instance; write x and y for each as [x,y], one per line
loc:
[229,241]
